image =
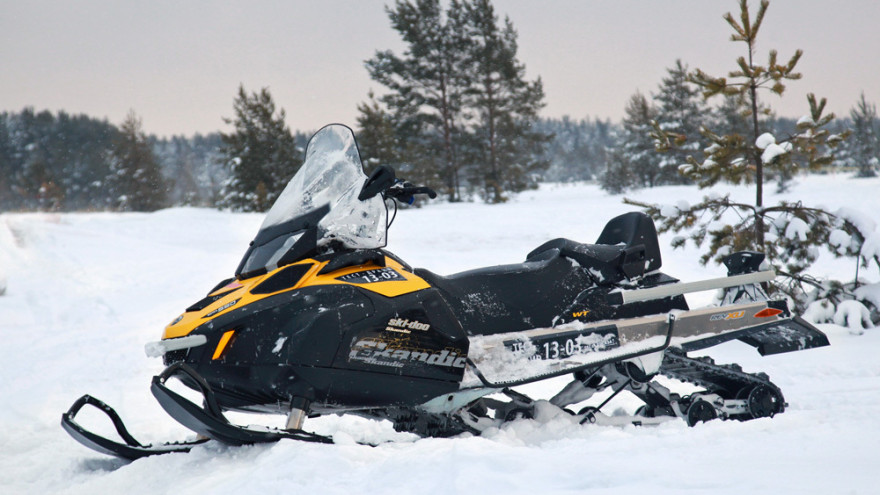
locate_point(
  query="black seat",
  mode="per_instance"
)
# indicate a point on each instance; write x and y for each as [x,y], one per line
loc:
[535,293]
[510,298]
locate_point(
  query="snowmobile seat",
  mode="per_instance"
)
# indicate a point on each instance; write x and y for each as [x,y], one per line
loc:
[626,248]
[533,294]
[510,297]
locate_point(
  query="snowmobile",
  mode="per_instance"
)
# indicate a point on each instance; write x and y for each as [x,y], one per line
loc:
[320,319]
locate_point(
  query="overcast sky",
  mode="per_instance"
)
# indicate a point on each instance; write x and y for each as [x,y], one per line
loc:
[178,64]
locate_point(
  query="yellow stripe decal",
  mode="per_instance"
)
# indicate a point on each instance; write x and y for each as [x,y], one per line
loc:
[224,340]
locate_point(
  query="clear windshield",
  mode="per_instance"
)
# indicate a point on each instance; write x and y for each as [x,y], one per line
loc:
[332,176]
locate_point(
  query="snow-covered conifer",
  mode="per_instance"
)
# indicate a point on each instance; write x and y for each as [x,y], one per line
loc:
[261,153]
[136,182]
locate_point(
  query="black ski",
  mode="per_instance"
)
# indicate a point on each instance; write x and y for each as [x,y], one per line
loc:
[131,449]
[209,421]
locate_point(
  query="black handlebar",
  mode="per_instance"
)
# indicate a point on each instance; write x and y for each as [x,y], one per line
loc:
[405,191]
[383,181]
[421,190]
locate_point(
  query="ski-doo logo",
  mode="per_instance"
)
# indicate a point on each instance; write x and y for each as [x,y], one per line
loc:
[728,316]
[403,325]
[378,353]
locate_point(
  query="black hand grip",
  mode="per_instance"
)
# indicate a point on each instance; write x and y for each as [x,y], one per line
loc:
[407,192]
[423,190]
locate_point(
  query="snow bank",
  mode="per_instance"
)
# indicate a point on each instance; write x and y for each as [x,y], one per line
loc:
[7,246]
[819,312]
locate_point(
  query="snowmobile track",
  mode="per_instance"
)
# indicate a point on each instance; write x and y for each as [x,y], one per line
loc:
[728,380]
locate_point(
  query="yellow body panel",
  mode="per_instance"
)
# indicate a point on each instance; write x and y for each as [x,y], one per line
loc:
[237,293]
[391,288]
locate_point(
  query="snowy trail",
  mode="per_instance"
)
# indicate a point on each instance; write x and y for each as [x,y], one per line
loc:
[86,291]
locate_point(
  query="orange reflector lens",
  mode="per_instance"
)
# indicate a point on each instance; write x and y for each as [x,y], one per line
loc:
[224,341]
[767,312]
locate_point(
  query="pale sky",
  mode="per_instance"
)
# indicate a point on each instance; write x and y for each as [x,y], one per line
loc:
[178,64]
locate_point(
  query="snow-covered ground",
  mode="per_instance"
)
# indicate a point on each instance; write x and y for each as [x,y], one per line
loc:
[86,291]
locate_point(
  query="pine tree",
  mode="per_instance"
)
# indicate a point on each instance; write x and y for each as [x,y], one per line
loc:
[182,170]
[634,149]
[42,184]
[377,137]
[789,234]
[136,180]
[578,149]
[35,182]
[510,150]
[682,111]
[618,176]
[863,148]
[7,170]
[261,154]
[738,158]
[428,81]
[78,150]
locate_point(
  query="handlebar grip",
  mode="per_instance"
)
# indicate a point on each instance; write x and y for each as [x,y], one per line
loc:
[425,190]
[407,192]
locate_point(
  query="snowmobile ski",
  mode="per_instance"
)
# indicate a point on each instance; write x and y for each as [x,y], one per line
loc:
[209,421]
[131,449]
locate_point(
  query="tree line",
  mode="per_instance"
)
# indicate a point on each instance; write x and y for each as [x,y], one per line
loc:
[62,162]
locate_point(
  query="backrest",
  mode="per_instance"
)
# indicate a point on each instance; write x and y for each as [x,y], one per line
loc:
[634,229]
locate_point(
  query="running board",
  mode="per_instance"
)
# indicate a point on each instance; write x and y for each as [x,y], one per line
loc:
[545,352]
[795,334]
